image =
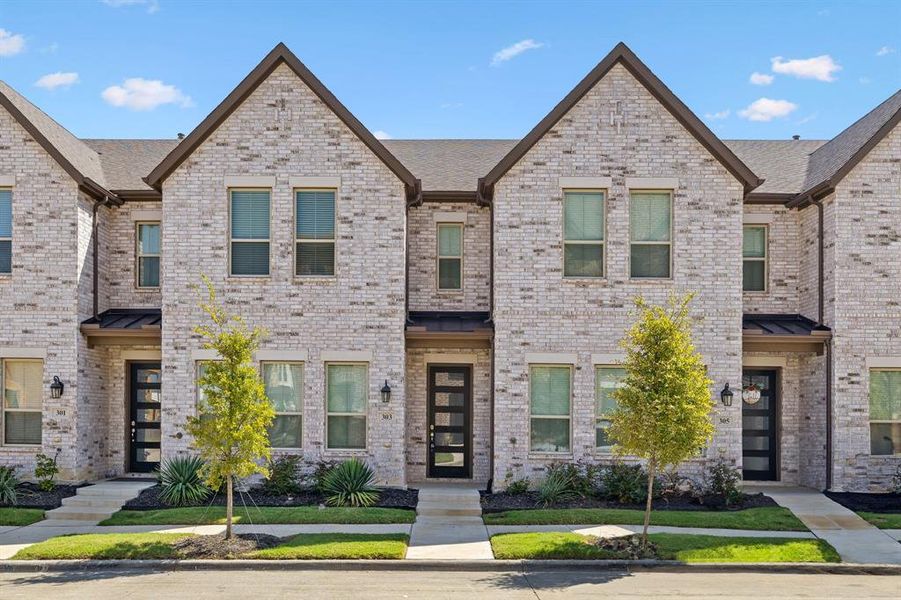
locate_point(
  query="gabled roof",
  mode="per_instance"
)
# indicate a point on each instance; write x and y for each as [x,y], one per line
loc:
[126,161]
[449,165]
[623,55]
[782,164]
[280,54]
[72,154]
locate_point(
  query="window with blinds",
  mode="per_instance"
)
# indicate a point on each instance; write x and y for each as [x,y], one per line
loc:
[885,412]
[754,258]
[583,234]
[450,256]
[346,403]
[249,232]
[284,388]
[315,233]
[606,381]
[6,231]
[549,406]
[22,401]
[650,228]
[148,255]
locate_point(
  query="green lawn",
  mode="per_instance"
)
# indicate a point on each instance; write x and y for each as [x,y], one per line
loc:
[200,515]
[773,518]
[882,520]
[20,516]
[338,545]
[682,547]
[107,546]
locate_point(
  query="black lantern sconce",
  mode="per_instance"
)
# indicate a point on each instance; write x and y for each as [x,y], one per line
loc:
[726,396]
[386,392]
[56,388]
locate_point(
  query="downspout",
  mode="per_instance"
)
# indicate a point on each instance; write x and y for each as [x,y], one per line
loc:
[414,198]
[483,199]
[821,303]
[96,254]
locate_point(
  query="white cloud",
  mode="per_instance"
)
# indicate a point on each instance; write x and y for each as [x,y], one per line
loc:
[137,93]
[885,50]
[807,119]
[761,78]
[865,81]
[820,68]
[152,5]
[766,109]
[11,43]
[381,135]
[52,81]
[505,54]
[718,116]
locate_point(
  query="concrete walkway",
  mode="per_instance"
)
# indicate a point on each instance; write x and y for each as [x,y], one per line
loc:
[611,531]
[855,540]
[449,525]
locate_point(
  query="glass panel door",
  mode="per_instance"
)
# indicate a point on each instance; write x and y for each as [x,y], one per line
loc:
[450,422]
[759,402]
[144,417]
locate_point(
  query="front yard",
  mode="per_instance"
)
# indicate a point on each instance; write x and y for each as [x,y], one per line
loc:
[269,515]
[882,520]
[20,516]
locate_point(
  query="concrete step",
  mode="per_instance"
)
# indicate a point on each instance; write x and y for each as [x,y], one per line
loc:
[437,509]
[99,502]
[449,520]
[79,513]
[450,497]
[61,523]
[117,490]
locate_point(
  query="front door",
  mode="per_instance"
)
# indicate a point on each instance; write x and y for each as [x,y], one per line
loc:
[758,425]
[144,418]
[450,421]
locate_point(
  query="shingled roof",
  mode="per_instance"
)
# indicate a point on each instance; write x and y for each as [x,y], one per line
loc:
[126,162]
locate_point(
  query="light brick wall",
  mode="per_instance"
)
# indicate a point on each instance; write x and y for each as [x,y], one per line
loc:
[423,285]
[120,249]
[781,295]
[284,130]
[536,310]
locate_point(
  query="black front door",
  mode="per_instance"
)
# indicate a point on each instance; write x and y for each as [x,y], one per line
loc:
[144,418]
[758,425]
[450,421]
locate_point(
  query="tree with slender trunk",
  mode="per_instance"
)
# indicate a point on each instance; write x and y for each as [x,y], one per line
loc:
[664,404]
[230,430]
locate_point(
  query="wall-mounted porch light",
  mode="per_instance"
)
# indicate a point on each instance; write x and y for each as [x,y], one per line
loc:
[56,388]
[386,392]
[726,396]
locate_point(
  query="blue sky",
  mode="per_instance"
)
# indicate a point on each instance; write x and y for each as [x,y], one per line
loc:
[152,68]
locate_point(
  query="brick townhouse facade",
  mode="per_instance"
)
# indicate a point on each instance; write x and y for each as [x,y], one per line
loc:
[451,308]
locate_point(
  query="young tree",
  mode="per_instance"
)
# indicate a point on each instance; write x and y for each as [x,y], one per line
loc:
[663,408]
[230,430]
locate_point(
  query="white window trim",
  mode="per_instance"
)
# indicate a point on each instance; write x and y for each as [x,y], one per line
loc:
[333,240]
[652,184]
[302,400]
[871,421]
[139,255]
[231,239]
[585,183]
[449,217]
[604,450]
[4,409]
[364,414]
[6,184]
[602,242]
[568,417]
[250,181]
[440,257]
[667,243]
[765,259]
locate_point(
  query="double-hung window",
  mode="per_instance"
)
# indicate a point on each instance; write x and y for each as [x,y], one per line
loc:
[885,411]
[346,405]
[549,404]
[650,227]
[23,388]
[148,255]
[606,381]
[583,234]
[6,231]
[284,388]
[314,233]
[249,232]
[754,258]
[450,256]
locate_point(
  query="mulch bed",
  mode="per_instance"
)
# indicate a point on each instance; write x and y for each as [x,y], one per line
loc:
[149,499]
[628,547]
[31,496]
[503,501]
[877,503]
[216,546]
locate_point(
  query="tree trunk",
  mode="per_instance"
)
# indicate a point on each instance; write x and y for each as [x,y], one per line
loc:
[652,468]
[229,507]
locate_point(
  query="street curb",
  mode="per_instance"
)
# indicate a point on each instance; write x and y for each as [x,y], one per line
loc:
[522,566]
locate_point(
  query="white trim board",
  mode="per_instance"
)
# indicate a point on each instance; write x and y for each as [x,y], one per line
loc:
[758,218]
[7,181]
[449,217]
[281,355]
[314,182]
[607,359]
[551,358]
[764,361]
[469,359]
[346,356]
[652,183]
[585,183]
[23,352]
[884,362]
[250,181]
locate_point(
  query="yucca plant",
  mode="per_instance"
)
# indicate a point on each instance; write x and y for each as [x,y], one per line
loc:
[180,481]
[559,486]
[8,483]
[350,484]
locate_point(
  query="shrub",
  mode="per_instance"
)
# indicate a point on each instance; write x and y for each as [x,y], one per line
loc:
[181,483]
[518,486]
[8,483]
[724,481]
[576,474]
[627,484]
[350,484]
[672,483]
[323,468]
[895,486]
[282,478]
[559,486]
[46,470]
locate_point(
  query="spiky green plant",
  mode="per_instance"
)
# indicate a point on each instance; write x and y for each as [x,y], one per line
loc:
[559,486]
[181,483]
[350,484]
[8,483]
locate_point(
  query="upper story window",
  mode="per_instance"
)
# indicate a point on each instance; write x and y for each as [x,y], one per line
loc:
[549,408]
[885,411]
[606,381]
[450,256]
[6,231]
[315,233]
[249,232]
[284,388]
[22,401]
[650,227]
[148,255]
[754,258]
[583,234]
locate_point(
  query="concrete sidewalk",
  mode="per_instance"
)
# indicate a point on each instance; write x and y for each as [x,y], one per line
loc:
[610,531]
